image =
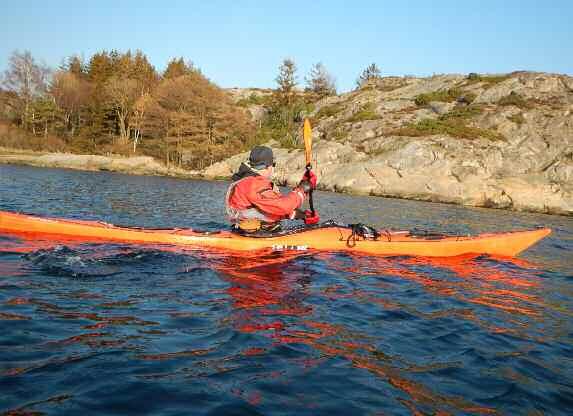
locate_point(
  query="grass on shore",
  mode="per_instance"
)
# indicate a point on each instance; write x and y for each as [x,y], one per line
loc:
[445,96]
[329,111]
[255,99]
[366,112]
[453,123]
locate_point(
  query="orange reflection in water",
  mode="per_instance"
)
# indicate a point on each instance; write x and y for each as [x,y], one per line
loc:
[485,283]
[25,243]
[263,287]
[474,279]
[266,290]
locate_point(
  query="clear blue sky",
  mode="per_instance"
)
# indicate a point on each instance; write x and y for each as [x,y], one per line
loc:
[242,43]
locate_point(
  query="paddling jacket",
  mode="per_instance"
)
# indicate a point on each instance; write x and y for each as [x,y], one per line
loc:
[255,197]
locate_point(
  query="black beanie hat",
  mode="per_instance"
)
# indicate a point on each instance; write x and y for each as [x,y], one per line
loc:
[261,157]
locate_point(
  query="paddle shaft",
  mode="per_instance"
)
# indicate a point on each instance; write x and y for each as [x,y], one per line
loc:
[307,136]
[310,201]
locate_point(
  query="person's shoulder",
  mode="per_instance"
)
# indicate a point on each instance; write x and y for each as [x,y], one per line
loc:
[256,183]
[247,179]
[262,180]
[262,184]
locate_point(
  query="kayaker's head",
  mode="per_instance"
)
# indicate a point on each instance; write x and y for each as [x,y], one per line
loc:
[261,159]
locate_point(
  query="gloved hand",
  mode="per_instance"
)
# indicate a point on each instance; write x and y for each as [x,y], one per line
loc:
[310,176]
[310,218]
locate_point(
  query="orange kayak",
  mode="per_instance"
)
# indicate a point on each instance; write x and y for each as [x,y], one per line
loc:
[331,237]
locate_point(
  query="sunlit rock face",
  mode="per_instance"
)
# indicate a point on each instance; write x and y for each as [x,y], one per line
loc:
[503,141]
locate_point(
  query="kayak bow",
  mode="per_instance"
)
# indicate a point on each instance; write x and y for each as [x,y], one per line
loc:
[330,238]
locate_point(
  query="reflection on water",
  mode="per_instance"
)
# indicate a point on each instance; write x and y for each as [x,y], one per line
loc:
[118,329]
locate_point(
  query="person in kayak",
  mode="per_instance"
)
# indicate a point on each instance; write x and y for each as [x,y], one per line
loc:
[253,201]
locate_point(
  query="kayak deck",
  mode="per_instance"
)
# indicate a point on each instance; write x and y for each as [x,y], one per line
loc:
[331,238]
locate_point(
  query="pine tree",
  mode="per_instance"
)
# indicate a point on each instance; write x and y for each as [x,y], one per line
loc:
[46,115]
[75,65]
[200,117]
[371,73]
[320,82]
[143,71]
[100,67]
[287,82]
[178,67]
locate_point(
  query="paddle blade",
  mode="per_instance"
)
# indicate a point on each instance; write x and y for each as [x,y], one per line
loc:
[307,135]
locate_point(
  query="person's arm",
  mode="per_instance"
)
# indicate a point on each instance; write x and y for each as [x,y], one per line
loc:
[274,204]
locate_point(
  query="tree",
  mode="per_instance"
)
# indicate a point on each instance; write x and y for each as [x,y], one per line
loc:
[320,82]
[200,118]
[99,68]
[103,65]
[71,95]
[119,80]
[45,114]
[7,110]
[140,107]
[74,65]
[121,94]
[286,80]
[28,80]
[141,70]
[370,74]
[177,68]
[118,98]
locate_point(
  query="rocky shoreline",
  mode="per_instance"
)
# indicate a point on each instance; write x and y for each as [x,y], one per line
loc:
[498,141]
[137,165]
[356,177]
[503,141]
[362,175]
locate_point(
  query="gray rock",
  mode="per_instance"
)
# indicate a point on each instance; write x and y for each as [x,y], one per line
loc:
[441,108]
[531,169]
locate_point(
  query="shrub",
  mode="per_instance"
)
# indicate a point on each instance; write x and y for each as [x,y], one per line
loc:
[253,99]
[366,112]
[329,111]
[283,134]
[489,80]
[467,98]
[462,113]
[446,96]
[517,118]
[494,79]
[16,138]
[514,99]
[371,74]
[430,127]
[338,134]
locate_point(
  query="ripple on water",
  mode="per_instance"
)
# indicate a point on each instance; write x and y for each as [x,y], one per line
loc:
[128,329]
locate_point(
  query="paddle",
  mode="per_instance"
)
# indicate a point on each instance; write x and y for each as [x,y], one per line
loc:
[307,136]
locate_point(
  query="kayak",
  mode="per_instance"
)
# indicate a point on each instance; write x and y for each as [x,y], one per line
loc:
[328,236]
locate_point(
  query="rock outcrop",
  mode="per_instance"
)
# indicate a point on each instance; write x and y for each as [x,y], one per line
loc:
[252,99]
[138,165]
[492,141]
[503,141]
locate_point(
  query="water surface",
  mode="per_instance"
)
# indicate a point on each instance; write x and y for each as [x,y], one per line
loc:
[126,329]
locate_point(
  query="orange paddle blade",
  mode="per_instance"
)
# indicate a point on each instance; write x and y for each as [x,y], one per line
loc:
[307,135]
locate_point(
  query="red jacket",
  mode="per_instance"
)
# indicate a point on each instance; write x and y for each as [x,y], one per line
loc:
[259,193]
